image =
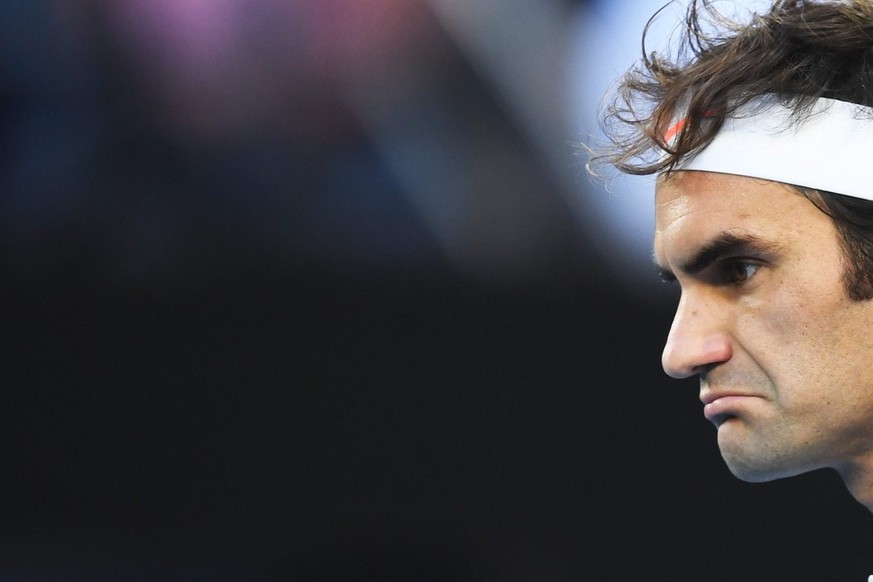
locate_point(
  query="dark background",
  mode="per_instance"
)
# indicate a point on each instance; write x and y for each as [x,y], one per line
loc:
[324,311]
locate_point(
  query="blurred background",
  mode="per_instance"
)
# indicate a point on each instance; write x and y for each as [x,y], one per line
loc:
[320,290]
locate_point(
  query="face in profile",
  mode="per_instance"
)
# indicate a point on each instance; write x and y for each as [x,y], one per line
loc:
[782,354]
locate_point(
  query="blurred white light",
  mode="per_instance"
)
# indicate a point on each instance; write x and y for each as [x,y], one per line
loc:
[608,41]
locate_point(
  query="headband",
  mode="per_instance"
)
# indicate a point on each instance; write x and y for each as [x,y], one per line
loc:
[829,148]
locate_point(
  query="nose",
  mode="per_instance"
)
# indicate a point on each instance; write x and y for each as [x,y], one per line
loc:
[698,339]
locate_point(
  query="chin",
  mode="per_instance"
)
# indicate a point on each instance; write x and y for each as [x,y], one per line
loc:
[752,476]
[760,472]
[757,459]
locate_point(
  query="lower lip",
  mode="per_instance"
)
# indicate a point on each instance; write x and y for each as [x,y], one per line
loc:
[724,406]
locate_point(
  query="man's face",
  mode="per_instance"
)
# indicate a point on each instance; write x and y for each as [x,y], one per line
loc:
[785,358]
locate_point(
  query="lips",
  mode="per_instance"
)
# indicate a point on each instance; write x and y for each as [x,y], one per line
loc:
[719,406]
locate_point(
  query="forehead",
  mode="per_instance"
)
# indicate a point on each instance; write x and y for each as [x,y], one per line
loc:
[692,207]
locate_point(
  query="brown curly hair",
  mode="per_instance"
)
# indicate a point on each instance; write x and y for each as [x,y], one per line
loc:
[799,49]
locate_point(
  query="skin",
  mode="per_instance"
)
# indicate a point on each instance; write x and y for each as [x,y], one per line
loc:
[784,357]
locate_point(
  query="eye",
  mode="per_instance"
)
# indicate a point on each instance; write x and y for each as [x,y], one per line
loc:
[738,271]
[667,277]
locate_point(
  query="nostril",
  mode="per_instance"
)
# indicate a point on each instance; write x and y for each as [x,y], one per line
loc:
[686,356]
[674,364]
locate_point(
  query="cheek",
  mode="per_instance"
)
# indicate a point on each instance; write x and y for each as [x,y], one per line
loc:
[803,299]
[812,343]
[788,333]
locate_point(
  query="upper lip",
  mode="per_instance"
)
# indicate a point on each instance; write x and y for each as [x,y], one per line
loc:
[711,396]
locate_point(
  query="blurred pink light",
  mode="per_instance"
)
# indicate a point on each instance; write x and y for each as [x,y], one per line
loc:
[192,36]
[226,65]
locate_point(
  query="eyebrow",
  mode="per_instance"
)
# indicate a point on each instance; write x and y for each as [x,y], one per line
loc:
[726,243]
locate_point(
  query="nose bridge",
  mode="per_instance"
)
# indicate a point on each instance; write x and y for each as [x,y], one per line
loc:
[698,336]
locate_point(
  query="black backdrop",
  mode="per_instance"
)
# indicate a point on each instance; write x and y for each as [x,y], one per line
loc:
[324,426]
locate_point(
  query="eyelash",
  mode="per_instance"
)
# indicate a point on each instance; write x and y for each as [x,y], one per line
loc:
[667,278]
[736,271]
[726,272]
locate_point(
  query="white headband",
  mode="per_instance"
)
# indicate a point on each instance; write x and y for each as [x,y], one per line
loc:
[830,148]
